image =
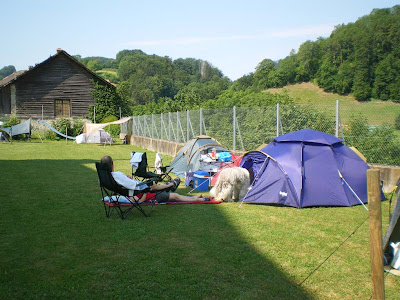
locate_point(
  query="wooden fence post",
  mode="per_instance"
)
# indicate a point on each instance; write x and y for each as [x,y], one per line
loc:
[375,234]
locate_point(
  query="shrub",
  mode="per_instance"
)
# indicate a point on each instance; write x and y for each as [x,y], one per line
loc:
[66,125]
[77,127]
[63,125]
[50,135]
[12,121]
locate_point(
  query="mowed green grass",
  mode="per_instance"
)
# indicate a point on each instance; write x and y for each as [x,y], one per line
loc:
[56,243]
[377,112]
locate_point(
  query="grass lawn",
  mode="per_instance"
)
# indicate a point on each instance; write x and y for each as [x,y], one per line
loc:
[56,242]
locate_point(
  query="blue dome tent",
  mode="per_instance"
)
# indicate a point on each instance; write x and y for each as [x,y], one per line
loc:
[306,168]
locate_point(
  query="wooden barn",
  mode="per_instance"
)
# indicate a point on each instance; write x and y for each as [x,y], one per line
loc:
[58,87]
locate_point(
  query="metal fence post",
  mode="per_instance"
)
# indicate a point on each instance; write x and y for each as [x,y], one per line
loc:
[177,126]
[201,121]
[277,119]
[133,125]
[234,129]
[187,125]
[152,126]
[337,119]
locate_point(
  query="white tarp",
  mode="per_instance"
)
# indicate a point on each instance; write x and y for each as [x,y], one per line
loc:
[90,128]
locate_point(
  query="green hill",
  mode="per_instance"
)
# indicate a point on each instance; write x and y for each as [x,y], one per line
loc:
[377,112]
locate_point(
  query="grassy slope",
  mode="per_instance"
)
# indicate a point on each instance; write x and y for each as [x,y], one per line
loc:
[377,112]
[56,242]
[107,70]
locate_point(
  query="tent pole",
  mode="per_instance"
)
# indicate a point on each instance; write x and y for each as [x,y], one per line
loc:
[354,193]
[301,174]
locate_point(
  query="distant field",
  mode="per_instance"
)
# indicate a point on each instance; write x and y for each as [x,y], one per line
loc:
[377,112]
[107,70]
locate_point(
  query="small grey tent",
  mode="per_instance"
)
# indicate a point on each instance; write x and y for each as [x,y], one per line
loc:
[188,159]
[100,137]
[22,128]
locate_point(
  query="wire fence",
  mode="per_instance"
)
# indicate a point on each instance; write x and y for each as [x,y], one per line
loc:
[373,127]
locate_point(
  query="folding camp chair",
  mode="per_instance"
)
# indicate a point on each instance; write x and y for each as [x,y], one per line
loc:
[140,168]
[115,196]
[162,170]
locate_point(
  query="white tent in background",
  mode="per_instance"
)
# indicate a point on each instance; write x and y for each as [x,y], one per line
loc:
[99,137]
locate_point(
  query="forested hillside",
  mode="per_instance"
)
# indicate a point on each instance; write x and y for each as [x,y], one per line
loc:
[168,84]
[8,70]
[362,58]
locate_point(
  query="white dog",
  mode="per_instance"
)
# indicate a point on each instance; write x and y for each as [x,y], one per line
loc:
[232,184]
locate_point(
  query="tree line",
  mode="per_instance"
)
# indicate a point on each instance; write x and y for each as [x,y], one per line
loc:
[5,71]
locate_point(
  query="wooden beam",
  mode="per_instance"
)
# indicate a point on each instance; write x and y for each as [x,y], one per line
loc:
[375,233]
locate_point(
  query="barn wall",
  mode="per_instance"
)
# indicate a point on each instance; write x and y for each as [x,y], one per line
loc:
[59,78]
[5,100]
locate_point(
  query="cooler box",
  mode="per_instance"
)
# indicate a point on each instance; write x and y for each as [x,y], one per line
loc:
[201,181]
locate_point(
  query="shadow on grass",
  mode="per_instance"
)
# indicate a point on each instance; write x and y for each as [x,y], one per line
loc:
[58,243]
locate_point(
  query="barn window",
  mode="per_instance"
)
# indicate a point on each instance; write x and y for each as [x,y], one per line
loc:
[62,108]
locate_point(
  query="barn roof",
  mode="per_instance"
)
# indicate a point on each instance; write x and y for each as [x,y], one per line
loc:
[6,80]
[14,76]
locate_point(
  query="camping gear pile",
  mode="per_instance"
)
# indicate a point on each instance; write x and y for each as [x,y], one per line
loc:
[391,240]
[201,153]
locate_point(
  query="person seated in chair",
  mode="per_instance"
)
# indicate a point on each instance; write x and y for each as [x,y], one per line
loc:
[157,192]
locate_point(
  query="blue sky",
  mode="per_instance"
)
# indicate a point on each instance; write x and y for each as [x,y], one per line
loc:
[233,36]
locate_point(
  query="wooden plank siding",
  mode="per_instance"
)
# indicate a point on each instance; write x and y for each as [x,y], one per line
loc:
[60,77]
[5,100]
